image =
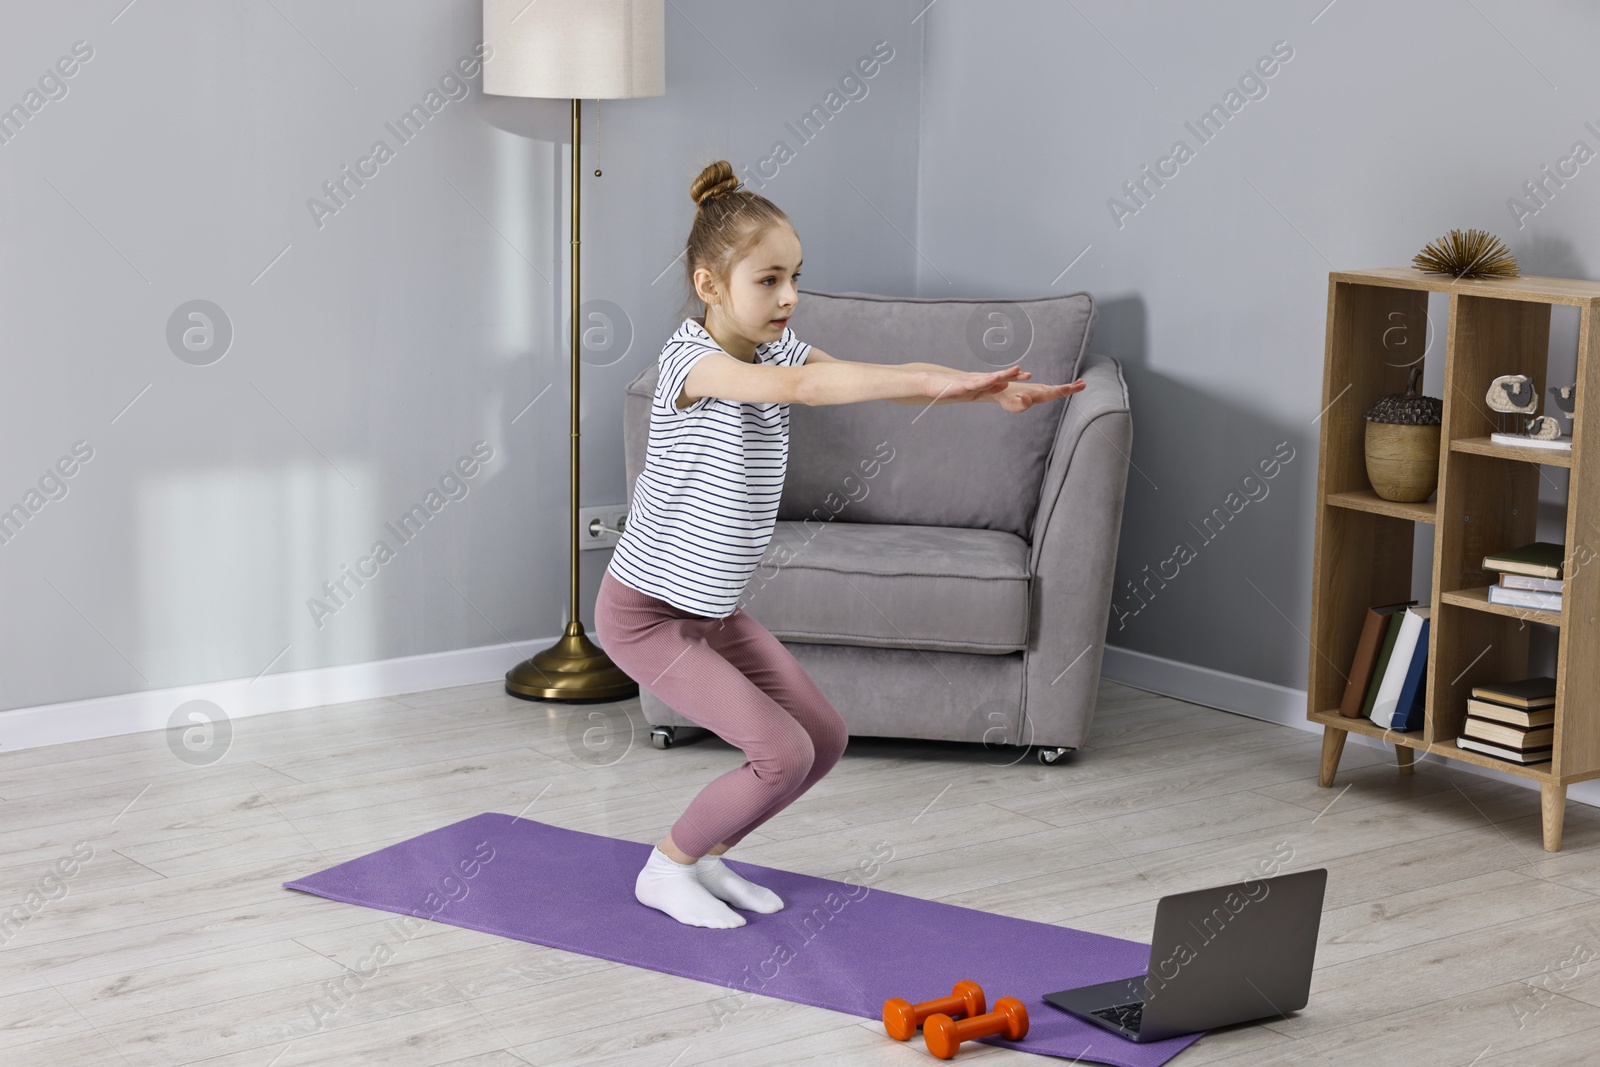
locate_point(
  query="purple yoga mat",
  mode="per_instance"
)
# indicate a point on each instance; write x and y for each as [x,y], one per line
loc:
[835,945]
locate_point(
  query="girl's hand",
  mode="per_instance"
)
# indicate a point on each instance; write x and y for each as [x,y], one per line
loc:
[1021,397]
[964,385]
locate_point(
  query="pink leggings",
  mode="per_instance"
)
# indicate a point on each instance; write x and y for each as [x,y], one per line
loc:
[734,678]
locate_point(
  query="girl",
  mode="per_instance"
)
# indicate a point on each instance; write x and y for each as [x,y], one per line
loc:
[701,517]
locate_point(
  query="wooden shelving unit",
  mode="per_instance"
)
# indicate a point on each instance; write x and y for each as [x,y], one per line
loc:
[1487,501]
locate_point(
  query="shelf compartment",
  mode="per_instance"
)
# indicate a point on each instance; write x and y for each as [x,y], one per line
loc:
[1478,600]
[1485,506]
[1363,558]
[1483,446]
[1367,500]
[1364,362]
[1469,648]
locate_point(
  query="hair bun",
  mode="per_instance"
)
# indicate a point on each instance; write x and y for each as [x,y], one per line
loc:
[716,180]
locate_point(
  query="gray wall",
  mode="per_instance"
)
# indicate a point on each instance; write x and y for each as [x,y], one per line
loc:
[1391,124]
[371,349]
[369,354]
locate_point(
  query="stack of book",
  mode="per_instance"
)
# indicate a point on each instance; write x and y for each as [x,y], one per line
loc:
[1513,721]
[1388,678]
[1532,576]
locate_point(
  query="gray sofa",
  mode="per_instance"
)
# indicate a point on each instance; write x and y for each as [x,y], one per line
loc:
[944,572]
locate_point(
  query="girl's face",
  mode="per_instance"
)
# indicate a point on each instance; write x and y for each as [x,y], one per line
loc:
[762,293]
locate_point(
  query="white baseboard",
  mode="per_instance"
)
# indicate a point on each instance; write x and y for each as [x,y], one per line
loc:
[1268,702]
[129,713]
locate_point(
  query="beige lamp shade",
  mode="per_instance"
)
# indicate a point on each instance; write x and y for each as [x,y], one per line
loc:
[574,49]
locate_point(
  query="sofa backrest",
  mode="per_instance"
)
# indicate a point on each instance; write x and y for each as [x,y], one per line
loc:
[967,465]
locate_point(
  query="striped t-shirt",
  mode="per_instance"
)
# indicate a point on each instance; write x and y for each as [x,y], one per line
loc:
[705,505]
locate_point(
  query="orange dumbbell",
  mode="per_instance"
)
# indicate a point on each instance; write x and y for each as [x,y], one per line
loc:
[902,1018]
[944,1034]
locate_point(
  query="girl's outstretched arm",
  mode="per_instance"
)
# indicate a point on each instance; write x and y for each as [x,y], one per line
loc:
[930,367]
[1016,395]
[1020,396]
[832,381]
[933,384]
[842,382]
[922,401]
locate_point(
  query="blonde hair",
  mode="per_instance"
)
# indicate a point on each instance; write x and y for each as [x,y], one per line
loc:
[728,222]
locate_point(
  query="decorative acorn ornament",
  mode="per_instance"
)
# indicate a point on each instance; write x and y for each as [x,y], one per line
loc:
[1403,444]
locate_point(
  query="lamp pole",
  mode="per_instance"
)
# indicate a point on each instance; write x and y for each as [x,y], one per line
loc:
[573,669]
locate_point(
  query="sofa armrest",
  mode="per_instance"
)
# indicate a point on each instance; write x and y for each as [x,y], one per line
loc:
[1073,556]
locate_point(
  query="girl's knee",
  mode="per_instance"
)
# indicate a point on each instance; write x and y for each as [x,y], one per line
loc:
[829,755]
[789,761]
[802,754]
[832,738]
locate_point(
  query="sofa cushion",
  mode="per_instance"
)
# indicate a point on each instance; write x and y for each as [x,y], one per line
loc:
[966,465]
[884,585]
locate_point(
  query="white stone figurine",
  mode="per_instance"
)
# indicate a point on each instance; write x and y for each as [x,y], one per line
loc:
[1566,398]
[1542,428]
[1512,393]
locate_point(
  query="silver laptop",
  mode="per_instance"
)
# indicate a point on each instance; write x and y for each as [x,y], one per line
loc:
[1223,955]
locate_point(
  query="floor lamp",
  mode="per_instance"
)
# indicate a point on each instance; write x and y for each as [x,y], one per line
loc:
[573,49]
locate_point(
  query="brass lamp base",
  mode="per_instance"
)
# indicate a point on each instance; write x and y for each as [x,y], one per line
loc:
[573,669]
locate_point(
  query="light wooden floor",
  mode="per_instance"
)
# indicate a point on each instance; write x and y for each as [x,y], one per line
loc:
[1450,937]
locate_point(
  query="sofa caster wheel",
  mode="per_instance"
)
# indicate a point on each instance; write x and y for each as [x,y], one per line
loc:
[1051,756]
[662,736]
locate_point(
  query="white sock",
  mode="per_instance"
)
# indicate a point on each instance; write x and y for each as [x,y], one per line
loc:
[726,884]
[670,886]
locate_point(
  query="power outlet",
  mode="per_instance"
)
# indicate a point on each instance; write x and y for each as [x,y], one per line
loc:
[601,527]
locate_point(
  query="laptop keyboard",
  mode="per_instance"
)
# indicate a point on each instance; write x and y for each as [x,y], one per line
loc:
[1127,1016]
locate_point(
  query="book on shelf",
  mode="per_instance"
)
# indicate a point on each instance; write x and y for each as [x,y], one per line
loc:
[1373,634]
[1529,693]
[1539,559]
[1409,707]
[1398,703]
[1524,581]
[1380,665]
[1517,440]
[1524,598]
[1510,755]
[1499,733]
[1488,709]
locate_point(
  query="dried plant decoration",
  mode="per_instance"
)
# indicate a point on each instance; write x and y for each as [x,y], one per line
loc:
[1474,254]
